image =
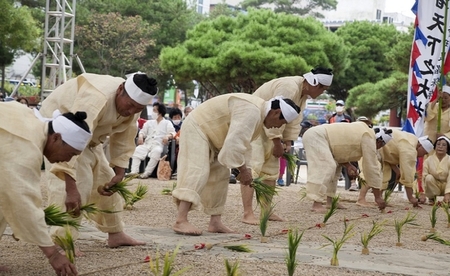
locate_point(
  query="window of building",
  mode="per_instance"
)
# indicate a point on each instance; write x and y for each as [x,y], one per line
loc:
[378,14]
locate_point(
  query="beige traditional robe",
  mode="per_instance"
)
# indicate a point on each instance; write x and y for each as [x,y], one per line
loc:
[430,127]
[436,176]
[23,138]
[215,137]
[328,146]
[263,162]
[401,151]
[94,94]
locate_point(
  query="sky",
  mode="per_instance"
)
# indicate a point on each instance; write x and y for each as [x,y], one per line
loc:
[401,6]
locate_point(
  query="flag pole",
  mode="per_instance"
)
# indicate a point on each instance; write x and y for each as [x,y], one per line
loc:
[442,78]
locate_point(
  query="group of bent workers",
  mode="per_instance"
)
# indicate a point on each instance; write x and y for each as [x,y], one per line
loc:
[249,132]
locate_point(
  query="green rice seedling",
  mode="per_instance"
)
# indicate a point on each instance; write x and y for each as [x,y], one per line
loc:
[266,212]
[366,237]
[433,218]
[446,207]
[232,268]
[291,161]
[387,195]
[168,266]
[338,243]
[361,181]
[55,217]
[66,243]
[331,211]
[168,191]
[303,193]
[121,188]
[409,219]
[238,248]
[91,209]
[263,192]
[294,238]
[435,237]
[139,194]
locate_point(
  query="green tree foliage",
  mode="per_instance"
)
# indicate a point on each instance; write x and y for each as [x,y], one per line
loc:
[369,44]
[173,17]
[239,54]
[222,9]
[297,7]
[400,54]
[18,32]
[115,44]
[370,98]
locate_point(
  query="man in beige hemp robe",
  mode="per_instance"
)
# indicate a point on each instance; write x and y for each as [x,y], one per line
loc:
[215,137]
[329,147]
[112,106]
[24,141]
[268,148]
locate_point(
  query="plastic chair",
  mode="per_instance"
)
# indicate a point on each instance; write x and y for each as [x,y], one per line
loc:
[301,155]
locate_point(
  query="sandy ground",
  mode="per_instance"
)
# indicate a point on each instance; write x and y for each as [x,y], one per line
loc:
[152,218]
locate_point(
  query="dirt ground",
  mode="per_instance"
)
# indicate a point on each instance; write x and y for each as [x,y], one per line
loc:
[152,218]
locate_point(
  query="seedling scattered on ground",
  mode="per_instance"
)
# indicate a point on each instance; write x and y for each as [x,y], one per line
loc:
[294,239]
[338,243]
[365,238]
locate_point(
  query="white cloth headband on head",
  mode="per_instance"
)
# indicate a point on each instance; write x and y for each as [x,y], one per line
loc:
[315,79]
[383,135]
[73,135]
[289,113]
[426,143]
[135,92]
[446,89]
[444,138]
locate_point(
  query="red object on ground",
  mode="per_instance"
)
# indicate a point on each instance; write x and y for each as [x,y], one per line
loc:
[318,225]
[389,212]
[247,236]
[365,215]
[199,246]
[285,231]
[147,259]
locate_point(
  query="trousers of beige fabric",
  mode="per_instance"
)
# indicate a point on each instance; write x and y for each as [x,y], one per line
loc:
[323,170]
[263,163]
[434,187]
[202,180]
[92,170]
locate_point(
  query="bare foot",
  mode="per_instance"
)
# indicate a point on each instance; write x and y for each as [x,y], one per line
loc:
[274,217]
[4,268]
[219,227]
[185,228]
[364,204]
[250,219]
[122,239]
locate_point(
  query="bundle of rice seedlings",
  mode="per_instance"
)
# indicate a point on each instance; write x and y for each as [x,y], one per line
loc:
[139,194]
[291,161]
[120,188]
[238,248]
[66,243]
[294,239]
[168,191]
[55,217]
[89,209]
[168,267]
[338,243]
[409,219]
[365,238]
[433,218]
[446,207]
[266,212]
[436,237]
[361,181]
[263,192]
[331,211]
[232,268]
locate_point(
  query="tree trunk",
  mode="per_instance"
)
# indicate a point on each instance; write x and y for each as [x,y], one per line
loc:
[394,119]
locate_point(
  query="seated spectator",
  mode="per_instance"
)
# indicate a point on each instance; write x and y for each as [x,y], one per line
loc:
[436,171]
[24,101]
[156,133]
[175,116]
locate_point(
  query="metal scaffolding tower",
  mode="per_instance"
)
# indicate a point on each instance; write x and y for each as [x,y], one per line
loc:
[57,55]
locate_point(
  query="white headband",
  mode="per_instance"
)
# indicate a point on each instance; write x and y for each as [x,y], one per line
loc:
[426,143]
[383,135]
[135,92]
[444,138]
[73,135]
[289,113]
[446,89]
[315,79]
